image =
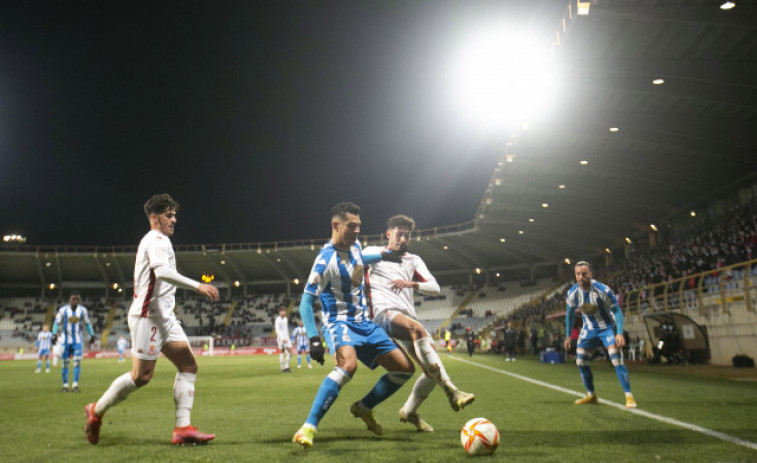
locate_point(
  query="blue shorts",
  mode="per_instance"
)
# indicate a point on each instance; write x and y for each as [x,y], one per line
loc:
[120,352]
[72,350]
[43,352]
[368,339]
[591,339]
[302,349]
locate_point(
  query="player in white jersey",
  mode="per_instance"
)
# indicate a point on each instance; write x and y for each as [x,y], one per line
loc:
[281,327]
[44,346]
[154,328]
[391,288]
[337,278]
[57,350]
[300,339]
[603,324]
[121,345]
[69,320]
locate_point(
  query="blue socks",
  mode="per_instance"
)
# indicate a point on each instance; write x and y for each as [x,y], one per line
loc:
[327,394]
[385,387]
[587,378]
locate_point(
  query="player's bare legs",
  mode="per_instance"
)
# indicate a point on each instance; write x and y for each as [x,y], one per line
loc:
[407,329]
[181,355]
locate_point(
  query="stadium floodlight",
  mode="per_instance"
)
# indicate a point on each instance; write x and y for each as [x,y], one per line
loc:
[501,77]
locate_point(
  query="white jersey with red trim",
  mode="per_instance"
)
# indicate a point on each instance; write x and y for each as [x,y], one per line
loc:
[153,297]
[381,275]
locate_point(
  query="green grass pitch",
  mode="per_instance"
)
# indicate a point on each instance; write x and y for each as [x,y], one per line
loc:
[254,410]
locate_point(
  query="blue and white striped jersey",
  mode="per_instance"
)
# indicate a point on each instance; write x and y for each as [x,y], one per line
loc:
[121,344]
[69,321]
[337,278]
[45,340]
[300,336]
[596,305]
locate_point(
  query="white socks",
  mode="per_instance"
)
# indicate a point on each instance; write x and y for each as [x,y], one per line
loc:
[184,397]
[432,364]
[421,389]
[119,389]
[284,360]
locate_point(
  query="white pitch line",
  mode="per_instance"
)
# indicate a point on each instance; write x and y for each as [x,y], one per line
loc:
[660,418]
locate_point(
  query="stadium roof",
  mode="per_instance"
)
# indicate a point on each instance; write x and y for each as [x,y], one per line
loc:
[678,146]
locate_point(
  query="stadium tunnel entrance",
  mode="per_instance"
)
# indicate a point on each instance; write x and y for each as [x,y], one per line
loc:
[677,338]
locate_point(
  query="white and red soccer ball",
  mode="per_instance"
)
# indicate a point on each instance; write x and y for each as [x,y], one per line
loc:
[479,436]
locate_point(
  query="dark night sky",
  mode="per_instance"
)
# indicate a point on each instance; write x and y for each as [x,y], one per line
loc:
[256,116]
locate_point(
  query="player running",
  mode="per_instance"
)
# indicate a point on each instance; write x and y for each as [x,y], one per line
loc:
[44,346]
[154,327]
[300,338]
[69,319]
[391,289]
[337,277]
[603,324]
[281,326]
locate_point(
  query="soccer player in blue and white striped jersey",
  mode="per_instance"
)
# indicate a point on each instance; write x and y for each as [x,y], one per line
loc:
[70,319]
[602,324]
[337,278]
[44,346]
[301,342]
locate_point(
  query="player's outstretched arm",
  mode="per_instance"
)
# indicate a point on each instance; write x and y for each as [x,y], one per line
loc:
[387,255]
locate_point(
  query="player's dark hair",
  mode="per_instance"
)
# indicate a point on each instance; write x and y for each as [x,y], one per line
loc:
[400,221]
[340,211]
[74,293]
[159,204]
[582,263]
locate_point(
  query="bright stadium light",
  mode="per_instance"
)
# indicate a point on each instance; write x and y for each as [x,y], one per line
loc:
[501,77]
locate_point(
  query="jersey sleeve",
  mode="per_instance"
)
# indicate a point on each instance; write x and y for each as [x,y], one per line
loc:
[158,250]
[427,284]
[315,280]
[58,320]
[570,299]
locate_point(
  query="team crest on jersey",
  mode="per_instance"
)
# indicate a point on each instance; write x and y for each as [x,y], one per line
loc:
[589,309]
[151,350]
[314,279]
[73,319]
[357,275]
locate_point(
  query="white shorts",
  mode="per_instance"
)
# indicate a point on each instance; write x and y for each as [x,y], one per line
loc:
[285,344]
[149,335]
[384,320]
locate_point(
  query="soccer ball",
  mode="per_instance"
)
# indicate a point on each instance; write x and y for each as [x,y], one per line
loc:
[479,436]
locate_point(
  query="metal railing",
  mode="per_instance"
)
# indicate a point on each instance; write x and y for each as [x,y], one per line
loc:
[718,287]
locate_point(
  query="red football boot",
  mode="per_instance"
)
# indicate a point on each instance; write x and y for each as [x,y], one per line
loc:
[92,428]
[190,435]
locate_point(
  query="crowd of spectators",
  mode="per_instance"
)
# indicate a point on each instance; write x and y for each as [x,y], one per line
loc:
[709,246]
[712,245]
